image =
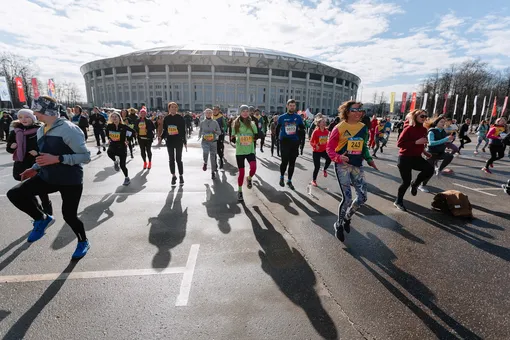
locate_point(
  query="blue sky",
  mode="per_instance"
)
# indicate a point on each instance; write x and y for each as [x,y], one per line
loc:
[391,45]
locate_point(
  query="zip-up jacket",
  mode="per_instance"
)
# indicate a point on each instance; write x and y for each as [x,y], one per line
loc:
[97,121]
[30,144]
[67,140]
[118,134]
[209,130]
[146,124]
[288,126]
[174,129]
[221,122]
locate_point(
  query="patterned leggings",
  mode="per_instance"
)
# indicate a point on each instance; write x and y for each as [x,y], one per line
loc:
[348,175]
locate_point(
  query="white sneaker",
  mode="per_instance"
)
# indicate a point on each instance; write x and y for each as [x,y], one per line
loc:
[423,189]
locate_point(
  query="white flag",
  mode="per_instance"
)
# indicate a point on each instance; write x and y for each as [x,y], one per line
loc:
[483,107]
[435,103]
[424,104]
[455,108]
[474,107]
[465,107]
[5,94]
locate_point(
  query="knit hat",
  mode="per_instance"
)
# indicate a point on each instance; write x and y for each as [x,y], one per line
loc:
[46,105]
[143,109]
[28,113]
[244,107]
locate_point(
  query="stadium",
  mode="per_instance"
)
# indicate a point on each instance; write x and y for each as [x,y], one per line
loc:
[200,76]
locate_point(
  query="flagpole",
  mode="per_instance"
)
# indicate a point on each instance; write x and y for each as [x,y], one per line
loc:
[488,105]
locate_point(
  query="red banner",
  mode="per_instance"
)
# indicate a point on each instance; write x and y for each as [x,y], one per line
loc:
[19,86]
[504,106]
[35,87]
[404,102]
[494,109]
[413,102]
[445,102]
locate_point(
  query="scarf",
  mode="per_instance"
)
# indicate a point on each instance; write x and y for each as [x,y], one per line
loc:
[21,149]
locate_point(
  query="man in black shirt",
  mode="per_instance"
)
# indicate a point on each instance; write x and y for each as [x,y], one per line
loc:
[98,123]
[463,133]
[174,131]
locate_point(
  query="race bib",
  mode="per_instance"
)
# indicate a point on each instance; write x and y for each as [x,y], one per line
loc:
[323,140]
[172,130]
[114,136]
[142,129]
[209,137]
[290,129]
[388,129]
[246,140]
[354,146]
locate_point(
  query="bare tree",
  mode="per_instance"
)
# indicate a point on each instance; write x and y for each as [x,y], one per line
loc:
[12,66]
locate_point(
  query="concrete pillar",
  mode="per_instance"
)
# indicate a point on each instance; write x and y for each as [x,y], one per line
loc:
[96,99]
[248,87]
[130,87]
[115,90]
[147,92]
[105,93]
[335,106]
[213,86]
[268,96]
[190,87]
[167,74]
[321,107]
[307,102]
[289,96]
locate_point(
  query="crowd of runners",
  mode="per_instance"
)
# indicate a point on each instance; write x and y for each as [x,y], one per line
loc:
[49,149]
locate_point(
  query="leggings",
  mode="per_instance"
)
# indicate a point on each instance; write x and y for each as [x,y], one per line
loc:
[97,134]
[452,147]
[378,141]
[220,146]
[145,148]
[84,130]
[445,156]
[122,154]
[497,152]
[275,141]
[289,150]
[23,197]
[480,140]
[464,140]
[130,145]
[175,156]
[209,151]
[302,140]
[317,162]
[346,175]
[240,164]
[406,165]
[262,140]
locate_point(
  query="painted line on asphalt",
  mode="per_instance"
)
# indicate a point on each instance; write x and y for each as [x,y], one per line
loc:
[477,190]
[182,299]
[489,189]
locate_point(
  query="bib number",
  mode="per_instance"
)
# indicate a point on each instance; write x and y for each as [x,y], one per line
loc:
[246,140]
[172,130]
[209,137]
[114,136]
[323,140]
[290,129]
[354,146]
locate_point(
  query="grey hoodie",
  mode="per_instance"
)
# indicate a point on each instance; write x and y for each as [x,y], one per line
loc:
[209,130]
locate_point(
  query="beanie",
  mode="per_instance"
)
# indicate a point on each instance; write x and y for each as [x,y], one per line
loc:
[46,105]
[29,113]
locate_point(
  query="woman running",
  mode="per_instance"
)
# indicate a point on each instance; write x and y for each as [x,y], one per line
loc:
[244,131]
[481,132]
[22,143]
[347,147]
[131,123]
[318,141]
[174,131]
[412,145]
[209,132]
[145,131]
[496,145]
[118,132]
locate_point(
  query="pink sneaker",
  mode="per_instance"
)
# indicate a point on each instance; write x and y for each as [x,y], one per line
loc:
[325,173]
[314,183]
[487,171]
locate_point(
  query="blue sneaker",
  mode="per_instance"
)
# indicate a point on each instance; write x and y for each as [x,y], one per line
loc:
[39,228]
[81,250]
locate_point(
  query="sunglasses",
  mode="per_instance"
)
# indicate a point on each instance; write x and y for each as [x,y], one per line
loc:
[353,109]
[423,116]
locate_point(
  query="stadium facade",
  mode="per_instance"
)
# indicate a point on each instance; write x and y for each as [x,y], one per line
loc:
[199,76]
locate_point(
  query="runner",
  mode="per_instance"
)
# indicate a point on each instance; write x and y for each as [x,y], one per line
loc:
[451,129]
[209,132]
[412,145]
[130,121]
[98,124]
[58,168]
[145,131]
[22,143]
[437,144]
[83,121]
[313,126]
[220,119]
[174,131]
[463,134]
[274,137]
[260,128]
[158,123]
[481,132]
[188,120]
[245,131]
[302,135]
[347,147]
[373,129]
[5,123]
[318,141]
[382,135]
[496,146]
[287,129]
[117,133]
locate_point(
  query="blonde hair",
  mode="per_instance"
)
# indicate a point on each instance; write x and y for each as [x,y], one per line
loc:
[411,116]
[173,103]
[115,113]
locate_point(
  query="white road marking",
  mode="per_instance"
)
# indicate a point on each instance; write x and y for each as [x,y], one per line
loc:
[392,165]
[182,299]
[489,189]
[477,190]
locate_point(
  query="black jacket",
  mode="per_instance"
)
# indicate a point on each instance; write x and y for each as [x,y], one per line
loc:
[174,129]
[83,122]
[97,121]
[118,134]
[6,122]
[31,144]
[149,126]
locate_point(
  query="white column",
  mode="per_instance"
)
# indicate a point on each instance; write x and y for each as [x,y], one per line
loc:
[115,90]
[333,101]
[191,94]
[105,93]
[247,87]
[167,74]
[307,103]
[88,88]
[268,93]
[95,88]
[147,91]
[213,87]
[129,85]
[289,96]
[321,107]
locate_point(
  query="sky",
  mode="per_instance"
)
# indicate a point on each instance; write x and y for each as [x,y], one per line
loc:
[390,45]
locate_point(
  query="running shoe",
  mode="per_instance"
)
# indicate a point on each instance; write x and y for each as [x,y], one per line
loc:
[339,231]
[483,150]
[221,163]
[414,190]
[116,166]
[314,183]
[174,180]
[374,156]
[347,225]
[81,250]
[476,152]
[39,228]
[240,196]
[325,173]
[492,165]
[290,185]
[400,206]
[487,171]
[506,188]
[181,180]
[447,171]
[127,181]
[213,175]
[98,152]
[249,182]
[149,166]
[144,165]
[382,147]
[104,148]
[204,167]
[261,150]
[424,189]
[132,156]
[282,183]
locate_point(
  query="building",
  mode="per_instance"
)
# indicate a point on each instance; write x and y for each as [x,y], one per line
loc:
[197,77]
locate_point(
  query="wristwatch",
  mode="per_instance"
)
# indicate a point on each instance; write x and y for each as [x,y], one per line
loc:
[61,159]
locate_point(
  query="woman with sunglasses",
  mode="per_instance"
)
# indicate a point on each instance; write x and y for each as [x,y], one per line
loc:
[412,142]
[347,147]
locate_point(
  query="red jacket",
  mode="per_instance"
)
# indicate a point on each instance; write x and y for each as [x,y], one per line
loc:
[408,138]
[319,140]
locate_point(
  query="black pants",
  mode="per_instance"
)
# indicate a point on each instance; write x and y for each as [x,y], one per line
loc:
[175,155]
[99,133]
[262,140]
[275,141]
[122,154]
[302,140]
[130,145]
[23,197]
[406,165]
[145,148]
[446,158]
[464,140]
[317,162]
[289,151]
[221,146]
[497,152]
[84,130]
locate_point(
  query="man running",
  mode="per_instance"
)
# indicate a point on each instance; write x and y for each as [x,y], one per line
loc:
[463,134]
[287,128]
[98,124]
[220,119]
[59,168]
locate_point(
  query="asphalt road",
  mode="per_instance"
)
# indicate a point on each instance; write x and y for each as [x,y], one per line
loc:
[191,263]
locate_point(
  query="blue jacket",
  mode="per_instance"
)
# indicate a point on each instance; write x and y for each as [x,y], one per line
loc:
[67,140]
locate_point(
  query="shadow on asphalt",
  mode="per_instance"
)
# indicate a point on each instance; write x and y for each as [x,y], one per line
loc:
[270,165]
[232,170]
[168,229]
[4,314]
[14,244]
[20,328]
[275,196]
[137,185]
[291,272]
[7,261]
[221,203]
[370,248]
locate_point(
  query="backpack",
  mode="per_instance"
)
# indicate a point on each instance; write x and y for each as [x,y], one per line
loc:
[454,202]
